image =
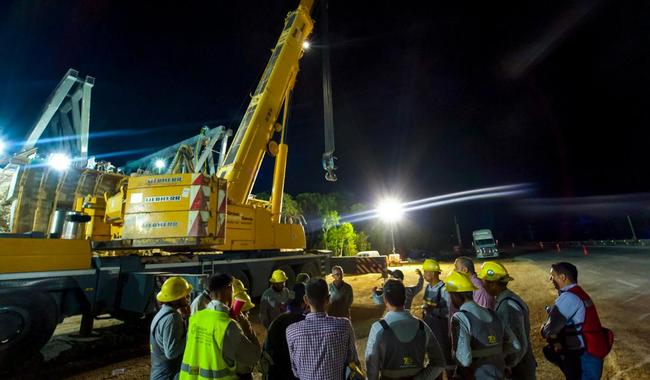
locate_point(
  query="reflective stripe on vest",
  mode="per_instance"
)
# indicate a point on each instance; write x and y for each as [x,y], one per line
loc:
[206,373]
[203,358]
[485,352]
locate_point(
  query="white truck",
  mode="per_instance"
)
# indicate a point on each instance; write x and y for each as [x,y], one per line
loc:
[484,244]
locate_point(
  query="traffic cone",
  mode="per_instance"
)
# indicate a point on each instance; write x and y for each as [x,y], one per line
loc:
[584,250]
[557,247]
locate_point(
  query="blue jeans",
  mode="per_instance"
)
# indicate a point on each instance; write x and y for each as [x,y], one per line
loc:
[592,367]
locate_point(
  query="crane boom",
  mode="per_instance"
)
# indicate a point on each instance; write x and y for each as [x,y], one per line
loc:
[256,129]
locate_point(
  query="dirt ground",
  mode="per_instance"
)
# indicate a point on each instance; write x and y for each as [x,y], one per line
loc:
[530,282]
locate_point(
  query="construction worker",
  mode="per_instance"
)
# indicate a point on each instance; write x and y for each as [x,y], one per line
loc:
[341,295]
[219,347]
[481,343]
[411,291]
[168,333]
[514,313]
[274,299]
[435,309]
[578,343]
[399,343]
[275,362]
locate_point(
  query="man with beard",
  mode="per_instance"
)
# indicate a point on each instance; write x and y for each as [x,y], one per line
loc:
[577,341]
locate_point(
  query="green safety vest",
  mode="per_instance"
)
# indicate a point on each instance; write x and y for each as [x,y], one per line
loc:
[203,357]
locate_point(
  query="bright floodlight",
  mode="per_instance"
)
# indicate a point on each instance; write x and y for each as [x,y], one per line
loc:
[59,161]
[390,210]
[160,164]
[306,45]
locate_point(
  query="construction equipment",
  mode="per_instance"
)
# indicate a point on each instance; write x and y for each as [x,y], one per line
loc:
[192,220]
[184,158]
[66,114]
[394,259]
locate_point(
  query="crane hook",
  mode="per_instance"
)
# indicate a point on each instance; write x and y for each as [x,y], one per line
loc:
[329,167]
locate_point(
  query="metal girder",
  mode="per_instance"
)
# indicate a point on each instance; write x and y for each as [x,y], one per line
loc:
[204,153]
[71,98]
[168,154]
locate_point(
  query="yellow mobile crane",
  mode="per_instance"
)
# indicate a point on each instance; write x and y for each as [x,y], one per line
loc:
[126,233]
[152,210]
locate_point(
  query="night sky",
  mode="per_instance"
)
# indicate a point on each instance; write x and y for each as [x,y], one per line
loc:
[429,97]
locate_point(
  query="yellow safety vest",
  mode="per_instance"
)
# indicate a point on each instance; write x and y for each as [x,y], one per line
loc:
[203,357]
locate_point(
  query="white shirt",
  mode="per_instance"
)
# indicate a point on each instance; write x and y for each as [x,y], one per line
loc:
[572,308]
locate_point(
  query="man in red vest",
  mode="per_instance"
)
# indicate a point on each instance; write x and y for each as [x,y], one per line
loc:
[577,341]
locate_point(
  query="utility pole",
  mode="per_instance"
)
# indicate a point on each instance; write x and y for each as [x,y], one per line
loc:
[629,221]
[460,241]
[530,232]
[392,236]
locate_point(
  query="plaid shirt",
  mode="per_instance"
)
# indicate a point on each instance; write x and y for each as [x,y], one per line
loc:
[321,347]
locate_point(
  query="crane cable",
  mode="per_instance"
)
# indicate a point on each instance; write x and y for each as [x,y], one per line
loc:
[328,114]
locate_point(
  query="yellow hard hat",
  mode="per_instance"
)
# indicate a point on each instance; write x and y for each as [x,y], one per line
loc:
[278,276]
[431,265]
[246,298]
[493,271]
[174,288]
[238,286]
[457,282]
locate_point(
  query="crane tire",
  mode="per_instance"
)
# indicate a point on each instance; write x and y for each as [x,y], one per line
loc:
[27,322]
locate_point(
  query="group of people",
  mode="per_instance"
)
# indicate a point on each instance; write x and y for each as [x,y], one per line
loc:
[212,337]
[472,327]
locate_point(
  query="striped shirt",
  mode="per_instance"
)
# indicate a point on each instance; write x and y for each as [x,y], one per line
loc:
[321,347]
